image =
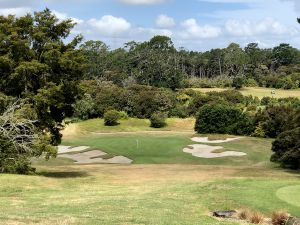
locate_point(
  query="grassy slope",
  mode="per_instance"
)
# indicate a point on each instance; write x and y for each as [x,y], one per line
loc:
[259,92]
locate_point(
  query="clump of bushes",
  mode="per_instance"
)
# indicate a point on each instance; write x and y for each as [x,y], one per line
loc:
[222,119]
[158,120]
[286,149]
[111,117]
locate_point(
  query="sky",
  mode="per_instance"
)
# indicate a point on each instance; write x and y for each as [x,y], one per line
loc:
[197,25]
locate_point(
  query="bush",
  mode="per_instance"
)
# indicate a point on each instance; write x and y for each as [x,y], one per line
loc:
[286,149]
[222,119]
[111,118]
[238,82]
[244,214]
[123,115]
[275,119]
[158,120]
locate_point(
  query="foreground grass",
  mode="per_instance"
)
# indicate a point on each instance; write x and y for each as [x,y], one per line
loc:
[140,194]
[259,92]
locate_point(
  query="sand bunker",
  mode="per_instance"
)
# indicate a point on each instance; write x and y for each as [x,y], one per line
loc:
[61,149]
[206,151]
[206,140]
[94,156]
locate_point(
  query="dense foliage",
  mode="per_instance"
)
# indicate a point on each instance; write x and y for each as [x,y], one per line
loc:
[40,67]
[222,119]
[287,149]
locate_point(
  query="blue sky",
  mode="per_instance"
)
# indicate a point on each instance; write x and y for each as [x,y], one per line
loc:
[193,24]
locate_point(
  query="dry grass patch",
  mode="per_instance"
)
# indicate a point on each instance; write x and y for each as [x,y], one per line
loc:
[256,218]
[279,217]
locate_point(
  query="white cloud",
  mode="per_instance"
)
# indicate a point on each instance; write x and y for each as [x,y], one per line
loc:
[142,2]
[15,11]
[296,3]
[64,16]
[192,30]
[109,25]
[164,21]
[267,26]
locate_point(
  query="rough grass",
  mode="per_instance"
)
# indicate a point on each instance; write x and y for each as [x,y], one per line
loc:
[131,125]
[259,92]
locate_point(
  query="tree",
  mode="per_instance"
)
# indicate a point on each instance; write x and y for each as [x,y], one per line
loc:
[38,63]
[21,139]
[286,149]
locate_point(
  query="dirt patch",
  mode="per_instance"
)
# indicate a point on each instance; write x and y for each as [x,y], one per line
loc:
[206,140]
[95,156]
[206,151]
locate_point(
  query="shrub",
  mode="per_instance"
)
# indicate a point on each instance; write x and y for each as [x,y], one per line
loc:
[158,120]
[123,115]
[259,131]
[238,82]
[279,218]
[286,149]
[231,96]
[111,118]
[256,218]
[222,119]
[275,120]
[250,82]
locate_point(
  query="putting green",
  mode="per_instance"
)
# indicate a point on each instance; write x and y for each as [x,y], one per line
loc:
[290,194]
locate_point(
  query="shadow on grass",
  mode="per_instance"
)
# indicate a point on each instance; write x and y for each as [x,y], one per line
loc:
[64,174]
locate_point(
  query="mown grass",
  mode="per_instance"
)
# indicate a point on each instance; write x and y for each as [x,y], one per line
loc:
[165,148]
[139,194]
[258,92]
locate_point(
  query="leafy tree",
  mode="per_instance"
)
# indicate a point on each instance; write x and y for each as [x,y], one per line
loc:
[37,63]
[286,149]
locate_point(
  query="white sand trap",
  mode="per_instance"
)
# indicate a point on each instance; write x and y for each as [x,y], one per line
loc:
[94,156]
[206,140]
[206,151]
[61,149]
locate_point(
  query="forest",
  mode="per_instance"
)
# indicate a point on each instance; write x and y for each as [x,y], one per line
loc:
[47,77]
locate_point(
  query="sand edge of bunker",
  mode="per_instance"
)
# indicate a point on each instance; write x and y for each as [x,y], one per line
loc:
[208,151]
[81,155]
